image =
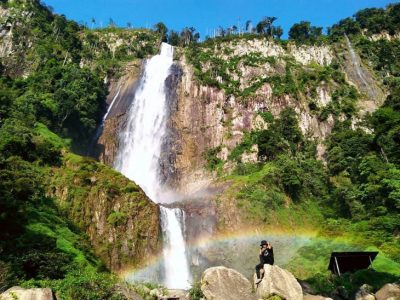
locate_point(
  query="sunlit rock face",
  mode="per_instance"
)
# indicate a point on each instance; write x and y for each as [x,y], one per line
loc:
[206,117]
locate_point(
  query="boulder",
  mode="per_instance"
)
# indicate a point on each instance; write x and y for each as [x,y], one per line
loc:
[315,297]
[20,293]
[162,294]
[390,291]
[220,283]
[280,282]
[365,293]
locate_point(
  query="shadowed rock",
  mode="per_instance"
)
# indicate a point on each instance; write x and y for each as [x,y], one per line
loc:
[365,293]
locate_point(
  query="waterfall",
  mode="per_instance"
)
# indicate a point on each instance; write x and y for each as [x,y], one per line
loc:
[176,268]
[138,158]
[356,62]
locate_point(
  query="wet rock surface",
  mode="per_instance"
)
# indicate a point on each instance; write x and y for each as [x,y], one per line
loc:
[121,93]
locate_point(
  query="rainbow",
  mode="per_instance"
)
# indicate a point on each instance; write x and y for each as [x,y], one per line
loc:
[286,245]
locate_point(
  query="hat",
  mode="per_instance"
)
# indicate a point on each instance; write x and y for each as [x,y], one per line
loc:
[263,242]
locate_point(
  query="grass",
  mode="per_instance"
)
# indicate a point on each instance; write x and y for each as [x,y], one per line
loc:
[51,137]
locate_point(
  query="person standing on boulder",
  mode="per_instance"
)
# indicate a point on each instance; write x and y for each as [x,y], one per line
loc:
[266,257]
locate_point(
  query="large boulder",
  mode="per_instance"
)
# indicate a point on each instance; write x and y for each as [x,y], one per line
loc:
[220,283]
[20,293]
[365,293]
[390,291]
[280,282]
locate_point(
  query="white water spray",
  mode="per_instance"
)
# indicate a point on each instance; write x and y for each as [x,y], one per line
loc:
[138,158]
[176,269]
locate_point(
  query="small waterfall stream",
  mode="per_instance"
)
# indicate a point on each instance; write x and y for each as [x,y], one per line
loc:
[366,85]
[355,60]
[138,158]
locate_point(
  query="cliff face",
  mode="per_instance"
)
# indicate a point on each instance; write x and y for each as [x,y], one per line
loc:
[121,222]
[207,117]
[121,92]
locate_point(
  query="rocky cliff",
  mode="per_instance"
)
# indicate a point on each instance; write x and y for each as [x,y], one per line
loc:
[218,102]
[121,222]
[121,92]
[221,91]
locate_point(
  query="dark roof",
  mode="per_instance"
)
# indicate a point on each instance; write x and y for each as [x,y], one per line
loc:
[350,261]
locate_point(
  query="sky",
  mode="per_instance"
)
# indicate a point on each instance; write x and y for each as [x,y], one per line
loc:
[207,15]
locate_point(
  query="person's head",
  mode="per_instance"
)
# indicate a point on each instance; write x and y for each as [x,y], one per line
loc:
[263,244]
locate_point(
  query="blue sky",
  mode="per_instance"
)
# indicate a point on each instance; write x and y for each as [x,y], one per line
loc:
[205,15]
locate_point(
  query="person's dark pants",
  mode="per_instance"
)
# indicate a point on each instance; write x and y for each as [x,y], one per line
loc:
[258,268]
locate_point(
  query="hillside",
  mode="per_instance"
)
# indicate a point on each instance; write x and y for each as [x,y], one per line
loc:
[66,220]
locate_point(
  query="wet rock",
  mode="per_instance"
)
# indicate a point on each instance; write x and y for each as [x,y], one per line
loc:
[365,293]
[27,294]
[280,282]
[225,284]
[390,291]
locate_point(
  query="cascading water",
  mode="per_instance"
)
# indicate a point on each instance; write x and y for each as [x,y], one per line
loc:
[138,158]
[176,269]
[356,62]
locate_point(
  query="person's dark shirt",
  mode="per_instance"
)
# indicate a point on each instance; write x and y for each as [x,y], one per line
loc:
[267,256]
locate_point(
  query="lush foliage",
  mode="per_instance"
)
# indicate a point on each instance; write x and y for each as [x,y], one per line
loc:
[372,20]
[40,245]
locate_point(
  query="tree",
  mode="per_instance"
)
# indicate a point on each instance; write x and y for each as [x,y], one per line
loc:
[278,32]
[129,24]
[162,30]
[111,23]
[265,26]
[304,32]
[173,38]
[189,35]
[249,26]
[93,21]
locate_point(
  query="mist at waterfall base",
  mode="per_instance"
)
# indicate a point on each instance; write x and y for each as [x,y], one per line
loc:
[138,158]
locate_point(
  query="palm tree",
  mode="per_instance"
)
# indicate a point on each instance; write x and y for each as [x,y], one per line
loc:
[249,26]
[93,21]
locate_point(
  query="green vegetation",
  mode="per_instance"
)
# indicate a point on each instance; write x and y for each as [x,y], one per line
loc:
[212,159]
[353,200]
[371,20]
[303,32]
[49,104]
[195,292]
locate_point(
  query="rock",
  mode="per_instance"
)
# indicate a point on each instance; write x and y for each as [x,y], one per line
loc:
[280,282]
[315,297]
[20,293]
[159,293]
[220,283]
[340,293]
[365,293]
[307,288]
[177,294]
[390,291]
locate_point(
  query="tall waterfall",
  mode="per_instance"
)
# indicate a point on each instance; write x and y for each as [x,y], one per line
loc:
[138,158]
